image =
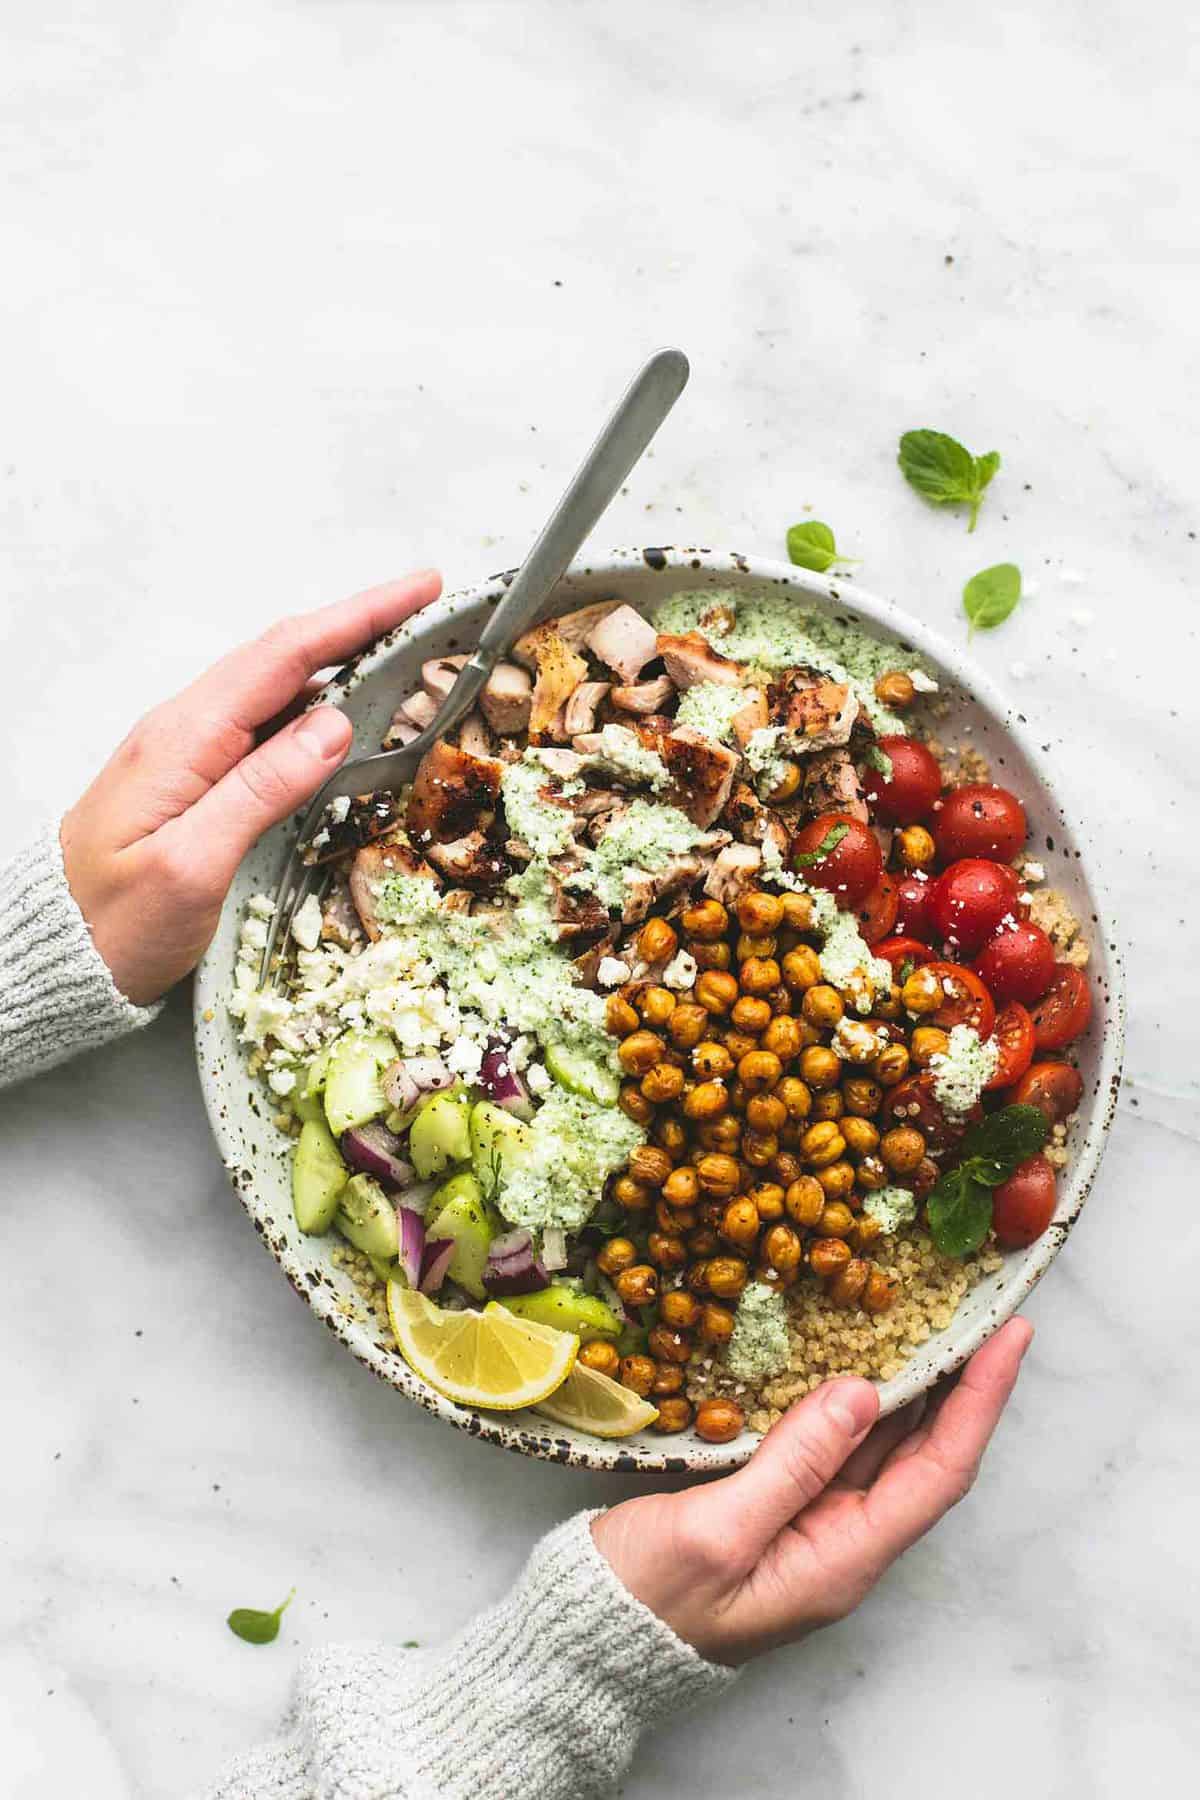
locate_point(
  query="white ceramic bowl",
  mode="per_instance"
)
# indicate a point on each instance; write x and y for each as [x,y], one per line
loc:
[256,1154]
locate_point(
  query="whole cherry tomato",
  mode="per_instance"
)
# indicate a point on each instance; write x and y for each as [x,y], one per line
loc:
[877,913]
[1023,1206]
[901,950]
[966,1002]
[1013,1036]
[908,793]
[1065,1009]
[969,900]
[839,853]
[1055,1088]
[979,821]
[913,894]
[1017,964]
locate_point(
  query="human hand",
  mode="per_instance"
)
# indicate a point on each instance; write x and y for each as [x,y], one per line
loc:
[825,1505]
[153,844]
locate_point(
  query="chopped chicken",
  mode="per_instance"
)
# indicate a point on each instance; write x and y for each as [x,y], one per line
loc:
[506,699]
[701,770]
[579,715]
[563,764]
[559,672]
[645,696]
[831,785]
[471,860]
[473,736]
[818,713]
[624,641]
[573,628]
[577,914]
[691,659]
[596,800]
[642,889]
[370,865]
[340,923]
[733,871]
[587,966]
[457,900]
[401,731]
[419,709]
[439,675]
[753,717]
[452,793]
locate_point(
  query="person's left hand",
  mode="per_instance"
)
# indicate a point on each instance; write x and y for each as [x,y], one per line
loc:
[151,847]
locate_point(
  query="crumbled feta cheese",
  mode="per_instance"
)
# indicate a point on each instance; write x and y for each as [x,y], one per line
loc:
[339,809]
[925,684]
[254,933]
[464,1057]
[961,1072]
[538,1079]
[893,1207]
[856,1042]
[319,840]
[281,1081]
[261,906]
[681,971]
[1033,871]
[611,971]
[306,926]
[265,1014]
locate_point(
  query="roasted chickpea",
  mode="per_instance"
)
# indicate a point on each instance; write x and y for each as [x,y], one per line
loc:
[926,1042]
[798,912]
[796,1097]
[706,921]
[759,974]
[819,1066]
[921,993]
[805,1201]
[739,1044]
[861,1096]
[895,689]
[765,1113]
[750,946]
[718,1174]
[702,1243]
[618,1254]
[721,1134]
[879,1292]
[781,1248]
[751,1015]
[901,1149]
[669,1378]
[787,1166]
[634,1105]
[681,1188]
[767,1199]
[827,1256]
[663,1082]
[822,1144]
[782,1037]
[633,1195]
[726,1276]
[711,1059]
[600,1356]
[801,968]
[781,1279]
[785,788]
[716,991]
[674,1414]
[915,848]
[823,1006]
[637,1373]
[719,1421]
[889,1007]
[639,1052]
[670,1135]
[650,1165]
[680,1310]
[707,1100]
[619,1016]
[759,1070]
[867,1231]
[666,1250]
[925,1177]
[861,1136]
[759,912]
[837,1181]
[674,1219]
[666,1345]
[859,1041]
[638,1285]
[695,1276]
[828,1105]
[871,1175]
[759,1148]
[847,1285]
[716,1324]
[687,1025]
[740,1224]
[835,1221]
[657,941]
[657,1005]
[712,956]
[891,1065]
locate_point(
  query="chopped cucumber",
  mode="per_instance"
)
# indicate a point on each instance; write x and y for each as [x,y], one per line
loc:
[497,1141]
[307,1107]
[440,1133]
[318,1178]
[313,1081]
[366,1218]
[353,1093]
[567,1310]
[581,1074]
[385,1269]
[458,1211]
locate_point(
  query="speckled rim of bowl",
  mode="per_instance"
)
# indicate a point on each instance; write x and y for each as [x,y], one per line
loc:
[225,1085]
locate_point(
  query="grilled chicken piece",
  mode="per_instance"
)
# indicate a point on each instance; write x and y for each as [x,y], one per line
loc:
[701,770]
[340,923]
[452,793]
[506,699]
[369,816]
[733,871]
[474,737]
[572,627]
[624,641]
[642,888]
[370,866]
[559,672]
[645,696]
[753,717]
[420,709]
[831,784]
[564,764]
[587,965]
[401,731]
[472,860]
[457,900]
[818,712]
[754,823]
[439,675]
[579,714]
[596,800]
[691,659]
[576,915]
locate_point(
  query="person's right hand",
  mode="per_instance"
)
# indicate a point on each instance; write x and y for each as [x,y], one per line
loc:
[796,1539]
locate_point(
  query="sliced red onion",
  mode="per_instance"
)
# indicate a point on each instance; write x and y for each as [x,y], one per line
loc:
[411,1232]
[407,1079]
[439,1253]
[376,1150]
[500,1081]
[554,1248]
[512,1268]
[512,1243]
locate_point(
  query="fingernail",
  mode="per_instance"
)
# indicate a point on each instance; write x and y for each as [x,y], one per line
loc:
[853,1406]
[324,730]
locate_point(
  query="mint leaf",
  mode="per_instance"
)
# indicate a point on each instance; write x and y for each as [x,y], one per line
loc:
[990,596]
[959,1211]
[258,1627]
[993,1148]
[879,759]
[811,546]
[944,471]
[826,847]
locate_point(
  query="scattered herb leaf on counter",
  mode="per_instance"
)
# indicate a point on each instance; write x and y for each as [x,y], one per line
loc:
[990,596]
[258,1627]
[944,471]
[826,847]
[811,545]
[959,1209]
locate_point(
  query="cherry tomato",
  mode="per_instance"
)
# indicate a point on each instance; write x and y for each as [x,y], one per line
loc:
[914,1102]
[901,950]
[908,794]
[1023,1206]
[967,1001]
[850,868]
[1018,964]
[912,917]
[1013,1036]
[969,900]
[877,914]
[979,821]
[1065,1009]
[1055,1088]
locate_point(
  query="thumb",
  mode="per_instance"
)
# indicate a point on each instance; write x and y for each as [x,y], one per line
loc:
[795,1463]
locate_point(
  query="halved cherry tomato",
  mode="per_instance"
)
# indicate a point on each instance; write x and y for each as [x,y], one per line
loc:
[1055,1088]
[967,1001]
[1064,1010]
[1013,1037]
[914,1102]
[969,900]
[909,792]
[877,914]
[912,919]
[1017,964]
[1023,1206]
[852,865]
[899,950]
[979,821]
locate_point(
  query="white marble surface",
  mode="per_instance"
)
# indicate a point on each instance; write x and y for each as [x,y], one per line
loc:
[299,295]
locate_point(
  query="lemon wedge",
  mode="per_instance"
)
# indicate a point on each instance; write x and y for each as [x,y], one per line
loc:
[595,1403]
[489,1358]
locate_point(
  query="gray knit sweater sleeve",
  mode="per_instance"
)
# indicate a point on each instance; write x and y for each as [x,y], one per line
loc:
[56,994]
[542,1697]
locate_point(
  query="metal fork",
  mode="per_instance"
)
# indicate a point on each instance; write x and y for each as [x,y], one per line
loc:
[646,402]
